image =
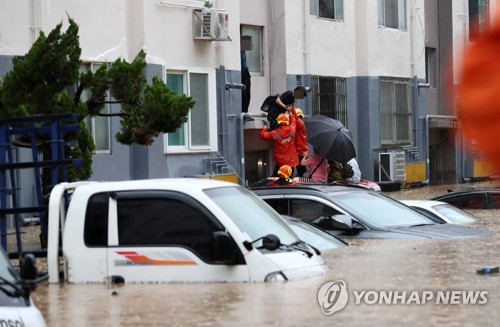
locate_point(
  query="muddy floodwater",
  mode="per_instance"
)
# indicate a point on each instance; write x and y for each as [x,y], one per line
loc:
[376,266]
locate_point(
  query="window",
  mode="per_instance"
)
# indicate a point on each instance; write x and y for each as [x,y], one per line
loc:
[331,9]
[495,201]
[95,231]
[98,126]
[395,111]
[254,55]
[164,220]
[468,201]
[430,67]
[392,14]
[199,133]
[478,17]
[329,97]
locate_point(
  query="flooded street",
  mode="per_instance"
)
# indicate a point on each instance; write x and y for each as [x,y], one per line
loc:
[376,265]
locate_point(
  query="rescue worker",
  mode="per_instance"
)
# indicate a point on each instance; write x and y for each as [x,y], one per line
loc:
[283,140]
[300,140]
[284,174]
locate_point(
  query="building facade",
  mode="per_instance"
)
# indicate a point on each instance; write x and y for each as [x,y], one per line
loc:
[383,68]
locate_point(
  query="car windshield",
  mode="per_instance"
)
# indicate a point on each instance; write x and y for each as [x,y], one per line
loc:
[315,237]
[455,214]
[9,283]
[253,216]
[6,269]
[379,210]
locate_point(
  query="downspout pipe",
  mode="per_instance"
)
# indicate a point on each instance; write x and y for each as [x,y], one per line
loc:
[427,168]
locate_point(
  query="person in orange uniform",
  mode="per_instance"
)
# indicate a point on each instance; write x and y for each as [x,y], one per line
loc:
[283,140]
[284,173]
[300,140]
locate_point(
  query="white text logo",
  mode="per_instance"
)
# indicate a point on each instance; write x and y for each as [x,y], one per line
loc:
[332,297]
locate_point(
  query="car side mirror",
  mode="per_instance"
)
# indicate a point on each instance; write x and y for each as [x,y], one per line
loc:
[222,247]
[27,268]
[345,221]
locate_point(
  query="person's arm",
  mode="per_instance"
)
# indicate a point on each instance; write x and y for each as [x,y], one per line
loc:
[285,99]
[264,134]
[293,123]
[305,161]
[280,103]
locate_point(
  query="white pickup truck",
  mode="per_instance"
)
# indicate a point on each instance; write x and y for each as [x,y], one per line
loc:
[171,230]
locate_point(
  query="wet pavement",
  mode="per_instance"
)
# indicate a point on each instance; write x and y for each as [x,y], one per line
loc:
[375,265]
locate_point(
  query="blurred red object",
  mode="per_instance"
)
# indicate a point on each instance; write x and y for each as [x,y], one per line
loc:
[479,93]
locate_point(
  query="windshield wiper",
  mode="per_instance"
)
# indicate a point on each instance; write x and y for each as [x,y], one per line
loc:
[418,225]
[17,290]
[296,246]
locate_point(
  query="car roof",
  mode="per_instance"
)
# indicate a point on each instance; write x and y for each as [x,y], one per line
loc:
[327,188]
[185,184]
[469,190]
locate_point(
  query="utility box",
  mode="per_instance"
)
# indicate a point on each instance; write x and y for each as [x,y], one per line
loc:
[392,167]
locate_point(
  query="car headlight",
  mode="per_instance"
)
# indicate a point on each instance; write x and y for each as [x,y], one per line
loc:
[276,276]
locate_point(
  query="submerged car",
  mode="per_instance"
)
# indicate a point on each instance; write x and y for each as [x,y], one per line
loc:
[354,212]
[308,181]
[16,306]
[313,235]
[472,198]
[441,212]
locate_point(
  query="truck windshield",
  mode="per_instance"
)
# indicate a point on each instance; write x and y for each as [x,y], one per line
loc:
[252,215]
[10,290]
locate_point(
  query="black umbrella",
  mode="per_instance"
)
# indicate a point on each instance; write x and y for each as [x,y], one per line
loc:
[330,138]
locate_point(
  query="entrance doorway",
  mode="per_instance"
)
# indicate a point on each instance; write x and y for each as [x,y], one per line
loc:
[442,156]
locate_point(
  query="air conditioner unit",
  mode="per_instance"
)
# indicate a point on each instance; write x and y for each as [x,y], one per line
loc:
[392,167]
[210,25]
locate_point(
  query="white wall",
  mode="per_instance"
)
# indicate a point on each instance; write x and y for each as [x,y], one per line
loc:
[118,28]
[356,46]
[257,13]
[168,32]
[16,36]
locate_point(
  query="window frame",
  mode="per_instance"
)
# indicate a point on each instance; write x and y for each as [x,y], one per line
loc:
[479,18]
[338,10]
[168,196]
[394,113]
[211,114]
[338,97]
[401,19]
[260,31]
[431,74]
[90,122]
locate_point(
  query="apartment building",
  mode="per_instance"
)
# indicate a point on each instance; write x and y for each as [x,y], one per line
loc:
[380,67]
[386,69]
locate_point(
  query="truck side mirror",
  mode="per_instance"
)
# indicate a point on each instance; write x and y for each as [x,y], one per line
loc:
[271,242]
[222,247]
[27,268]
[28,273]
